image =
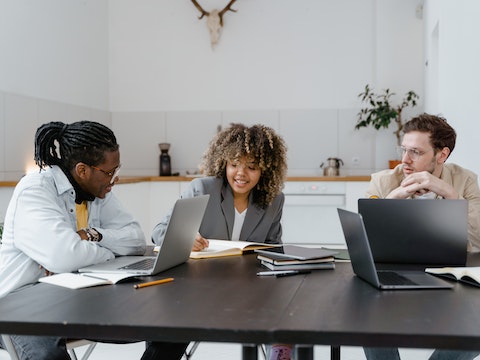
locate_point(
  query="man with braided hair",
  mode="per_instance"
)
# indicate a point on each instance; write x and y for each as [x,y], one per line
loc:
[65,217]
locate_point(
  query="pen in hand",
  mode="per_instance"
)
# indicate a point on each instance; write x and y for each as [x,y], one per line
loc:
[151,283]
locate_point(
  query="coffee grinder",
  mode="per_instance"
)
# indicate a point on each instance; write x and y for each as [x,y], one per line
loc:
[165,164]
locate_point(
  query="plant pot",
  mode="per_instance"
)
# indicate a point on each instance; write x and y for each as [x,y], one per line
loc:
[393,163]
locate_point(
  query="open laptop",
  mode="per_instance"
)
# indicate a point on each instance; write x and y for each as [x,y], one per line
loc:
[423,231]
[364,266]
[182,228]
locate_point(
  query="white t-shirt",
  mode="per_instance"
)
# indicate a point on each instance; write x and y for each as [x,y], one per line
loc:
[238,224]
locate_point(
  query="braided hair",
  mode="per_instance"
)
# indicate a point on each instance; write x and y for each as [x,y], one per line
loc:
[82,141]
[259,142]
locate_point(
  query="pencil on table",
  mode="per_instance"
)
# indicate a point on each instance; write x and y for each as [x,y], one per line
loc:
[151,283]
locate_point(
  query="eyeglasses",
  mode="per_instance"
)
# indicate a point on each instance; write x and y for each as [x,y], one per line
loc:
[413,154]
[113,174]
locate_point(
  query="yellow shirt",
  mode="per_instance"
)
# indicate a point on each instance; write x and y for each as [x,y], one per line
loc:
[82,215]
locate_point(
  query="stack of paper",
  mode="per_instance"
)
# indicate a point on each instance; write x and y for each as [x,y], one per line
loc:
[294,257]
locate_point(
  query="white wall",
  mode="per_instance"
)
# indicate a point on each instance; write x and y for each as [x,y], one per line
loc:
[273,54]
[53,67]
[55,50]
[297,66]
[452,31]
[146,68]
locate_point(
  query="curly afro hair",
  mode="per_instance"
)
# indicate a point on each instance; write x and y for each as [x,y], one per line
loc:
[258,142]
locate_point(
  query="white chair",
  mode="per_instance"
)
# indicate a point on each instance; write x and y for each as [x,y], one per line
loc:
[71,345]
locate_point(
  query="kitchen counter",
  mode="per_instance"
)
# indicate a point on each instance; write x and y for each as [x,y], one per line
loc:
[8,183]
[128,179]
[137,179]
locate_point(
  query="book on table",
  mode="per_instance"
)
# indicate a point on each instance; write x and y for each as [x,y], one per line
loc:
[220,248]
[280,260]
[83,280]
[295,257]
[297,252]
[469,275]
[300,266]
[342,254]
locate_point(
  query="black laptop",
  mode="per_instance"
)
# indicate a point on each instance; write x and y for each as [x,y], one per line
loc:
[364,266]
[422,231]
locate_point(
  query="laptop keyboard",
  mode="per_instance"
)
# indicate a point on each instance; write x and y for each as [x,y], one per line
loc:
[144,264]
[393,278]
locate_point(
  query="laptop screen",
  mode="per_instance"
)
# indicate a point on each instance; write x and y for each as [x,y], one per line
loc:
[426,231]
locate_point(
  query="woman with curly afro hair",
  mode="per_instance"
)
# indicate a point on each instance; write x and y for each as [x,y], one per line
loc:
[245,170]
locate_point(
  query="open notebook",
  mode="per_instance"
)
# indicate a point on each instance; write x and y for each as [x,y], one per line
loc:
[182,228]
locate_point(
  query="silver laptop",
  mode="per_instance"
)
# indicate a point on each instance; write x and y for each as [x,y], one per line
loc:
[182,228]
[364,266]
[423,231]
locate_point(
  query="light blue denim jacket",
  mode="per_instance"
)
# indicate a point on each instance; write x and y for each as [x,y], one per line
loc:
[40,231]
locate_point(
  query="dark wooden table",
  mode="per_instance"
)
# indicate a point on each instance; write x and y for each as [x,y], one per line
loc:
[223,300]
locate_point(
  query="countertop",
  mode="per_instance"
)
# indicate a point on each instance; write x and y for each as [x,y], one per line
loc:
[137,179]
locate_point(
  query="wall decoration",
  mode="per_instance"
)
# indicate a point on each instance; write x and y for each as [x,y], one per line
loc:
[214,20]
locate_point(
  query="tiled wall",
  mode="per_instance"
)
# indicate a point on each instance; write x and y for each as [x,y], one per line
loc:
[20,116]
[311,135]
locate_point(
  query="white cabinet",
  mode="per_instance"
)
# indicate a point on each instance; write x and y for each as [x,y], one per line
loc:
[355,191]
[134,197]
[163,195]
[5,195]
[310,211]
[148,202]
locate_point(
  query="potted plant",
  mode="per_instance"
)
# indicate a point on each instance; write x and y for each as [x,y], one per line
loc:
[379,111]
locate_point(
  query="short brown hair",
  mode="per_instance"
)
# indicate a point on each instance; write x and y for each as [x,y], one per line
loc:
[441,133]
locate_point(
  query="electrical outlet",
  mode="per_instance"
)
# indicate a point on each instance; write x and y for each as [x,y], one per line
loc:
[355,161]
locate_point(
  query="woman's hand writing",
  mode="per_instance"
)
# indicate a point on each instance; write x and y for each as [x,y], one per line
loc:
[200,243]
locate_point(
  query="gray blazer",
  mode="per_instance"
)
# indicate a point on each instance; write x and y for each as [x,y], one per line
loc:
[261,225]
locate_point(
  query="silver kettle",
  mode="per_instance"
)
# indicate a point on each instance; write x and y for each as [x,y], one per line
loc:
[333,167]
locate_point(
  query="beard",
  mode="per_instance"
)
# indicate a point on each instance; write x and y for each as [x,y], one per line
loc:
[431,167]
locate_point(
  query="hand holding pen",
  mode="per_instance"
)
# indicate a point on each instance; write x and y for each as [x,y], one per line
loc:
[200,243]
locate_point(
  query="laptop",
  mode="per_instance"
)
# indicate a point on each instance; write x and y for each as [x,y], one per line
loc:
[182,228]
[422,231]
[364,266]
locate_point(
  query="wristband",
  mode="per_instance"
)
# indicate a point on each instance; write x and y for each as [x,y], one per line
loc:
[89,236]
[93,234]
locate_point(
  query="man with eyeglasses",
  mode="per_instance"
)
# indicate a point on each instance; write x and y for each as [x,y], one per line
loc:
[427,143]
[65,217]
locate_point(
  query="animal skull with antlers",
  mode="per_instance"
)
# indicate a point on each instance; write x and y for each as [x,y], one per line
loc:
[214,20]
